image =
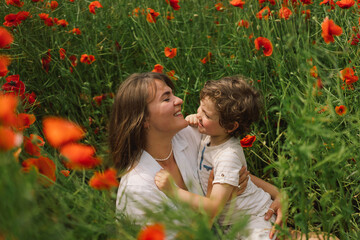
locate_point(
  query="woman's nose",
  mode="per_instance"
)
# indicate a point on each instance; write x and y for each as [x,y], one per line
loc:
[178,101]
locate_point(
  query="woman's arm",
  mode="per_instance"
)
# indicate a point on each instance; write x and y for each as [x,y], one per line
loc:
[267,187]
[275,207]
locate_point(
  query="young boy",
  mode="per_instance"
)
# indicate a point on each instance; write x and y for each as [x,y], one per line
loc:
[227,109]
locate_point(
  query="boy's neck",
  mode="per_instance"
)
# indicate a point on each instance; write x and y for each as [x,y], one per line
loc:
[217,140]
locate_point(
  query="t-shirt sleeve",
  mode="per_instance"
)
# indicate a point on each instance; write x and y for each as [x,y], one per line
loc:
[226,168]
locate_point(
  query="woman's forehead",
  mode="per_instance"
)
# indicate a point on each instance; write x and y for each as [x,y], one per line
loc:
[157,88]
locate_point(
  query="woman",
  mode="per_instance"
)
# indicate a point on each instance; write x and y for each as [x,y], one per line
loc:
[148,133]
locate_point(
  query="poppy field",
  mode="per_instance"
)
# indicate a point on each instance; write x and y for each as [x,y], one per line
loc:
[61,63]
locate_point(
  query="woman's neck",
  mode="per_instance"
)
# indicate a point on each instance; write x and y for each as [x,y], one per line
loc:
[158,147]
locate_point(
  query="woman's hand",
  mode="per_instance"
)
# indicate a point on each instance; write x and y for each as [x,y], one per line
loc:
[165,182]
[275,208]
[192,120]
[243,180]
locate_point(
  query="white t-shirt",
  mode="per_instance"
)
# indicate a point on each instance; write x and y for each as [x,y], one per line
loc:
[137,188]
[227,159]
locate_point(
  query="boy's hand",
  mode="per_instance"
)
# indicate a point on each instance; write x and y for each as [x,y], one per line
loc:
[165,182]
[192,120]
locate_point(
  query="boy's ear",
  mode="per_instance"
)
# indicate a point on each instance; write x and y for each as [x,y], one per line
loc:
[235,126]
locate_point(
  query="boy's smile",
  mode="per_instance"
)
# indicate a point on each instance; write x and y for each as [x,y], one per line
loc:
[209,122]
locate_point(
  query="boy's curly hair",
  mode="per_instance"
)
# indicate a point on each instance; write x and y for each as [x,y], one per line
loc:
[236,101]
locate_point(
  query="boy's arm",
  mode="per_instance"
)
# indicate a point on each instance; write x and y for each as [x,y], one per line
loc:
[212,205]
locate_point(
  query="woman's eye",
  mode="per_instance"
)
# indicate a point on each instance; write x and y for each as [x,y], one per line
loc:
[166,99]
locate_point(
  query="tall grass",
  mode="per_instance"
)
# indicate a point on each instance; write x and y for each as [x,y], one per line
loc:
[312,157]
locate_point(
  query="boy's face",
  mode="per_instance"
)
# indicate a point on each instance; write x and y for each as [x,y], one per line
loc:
[209,120]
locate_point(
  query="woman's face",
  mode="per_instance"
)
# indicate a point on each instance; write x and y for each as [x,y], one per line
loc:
[164,110]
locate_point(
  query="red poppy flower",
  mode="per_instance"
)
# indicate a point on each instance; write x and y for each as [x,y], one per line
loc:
[171,75]
[32,144]
[54,5]
[264,43]
[305,2]
[319,83]
[76,31]
[152,15]
[105,180]
[340,110]
[154,232]
[59,131]
[174,4]
[93,6]
[73,60]
[207,58]
[14,85]
[62,53]
[347,75]
[313,72]
[307,13]
[285,13]
[329,28]
[16,3]
[243,23]
[66,173]
[88,59]
[272,2]
[12,20]
[45,61]
[6,38]
[24,120]
[354,39]
[247,141]
[170,52]
[219,6]
[8,105]
[9,139]
[237,3]
[43,16]
[99,99]
[4,63]
[328,2]
[62,22]
[79,156]
[42,165]
[345,3]
[158,68]
[29,98]
[264,13]
[21,16]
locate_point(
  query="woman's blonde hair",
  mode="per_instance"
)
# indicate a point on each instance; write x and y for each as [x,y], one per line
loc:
[127,134]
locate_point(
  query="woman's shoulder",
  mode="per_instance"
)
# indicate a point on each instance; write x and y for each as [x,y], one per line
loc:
[189,133]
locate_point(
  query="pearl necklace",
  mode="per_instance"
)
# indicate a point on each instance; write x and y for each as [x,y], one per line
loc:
[164,159]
